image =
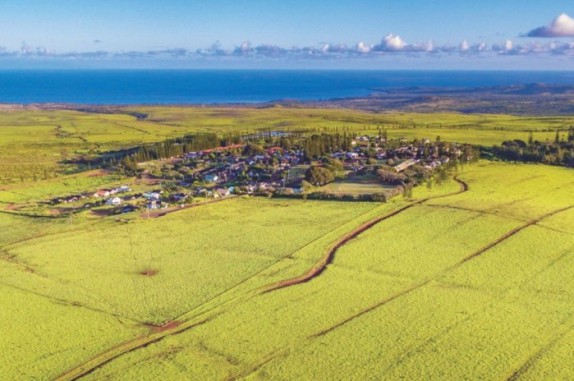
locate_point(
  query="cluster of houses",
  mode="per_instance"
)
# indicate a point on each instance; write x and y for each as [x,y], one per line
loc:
[218,173]
[105,194]
[262,172]
[425,153]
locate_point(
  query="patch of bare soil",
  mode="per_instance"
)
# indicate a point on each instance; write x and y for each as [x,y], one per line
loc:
[97,173]
[148,272]
[165,327]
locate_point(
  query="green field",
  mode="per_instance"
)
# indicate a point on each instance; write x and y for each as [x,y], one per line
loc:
[436,292]
[469,279]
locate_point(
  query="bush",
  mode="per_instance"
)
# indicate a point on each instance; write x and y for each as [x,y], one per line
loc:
[319,176]
[391,177]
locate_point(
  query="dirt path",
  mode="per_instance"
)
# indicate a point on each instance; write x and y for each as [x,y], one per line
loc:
[90,366]
[330,252]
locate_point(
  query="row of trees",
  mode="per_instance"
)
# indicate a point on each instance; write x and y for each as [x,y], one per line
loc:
[559,152]
[316,146]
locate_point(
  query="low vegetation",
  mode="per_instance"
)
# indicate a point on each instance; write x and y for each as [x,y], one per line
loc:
[464,270]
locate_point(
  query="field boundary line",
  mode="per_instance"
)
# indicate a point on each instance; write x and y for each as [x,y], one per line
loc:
[538,354]
[68,303]
[425,282]
[121,349]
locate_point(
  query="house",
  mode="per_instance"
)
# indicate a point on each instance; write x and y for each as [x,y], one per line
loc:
[404,165]
[114,201]
[180,196]
[222,192]
[102,193]
[211,178]
[152,196]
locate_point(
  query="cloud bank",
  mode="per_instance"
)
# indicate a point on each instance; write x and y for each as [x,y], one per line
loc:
[390,47]
[561,26]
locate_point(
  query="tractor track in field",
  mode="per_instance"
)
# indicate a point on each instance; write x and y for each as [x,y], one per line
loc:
[65,302]
[124,348]
[329,256]
[538,355]
[425,282]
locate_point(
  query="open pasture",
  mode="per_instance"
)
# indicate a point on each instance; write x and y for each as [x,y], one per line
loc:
[356,185]
[432,292]
[455,283]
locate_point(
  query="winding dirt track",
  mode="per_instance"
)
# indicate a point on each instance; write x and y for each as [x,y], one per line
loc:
[330,252]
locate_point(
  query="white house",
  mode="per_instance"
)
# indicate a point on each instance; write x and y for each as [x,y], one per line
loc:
[211,178]
[114,201]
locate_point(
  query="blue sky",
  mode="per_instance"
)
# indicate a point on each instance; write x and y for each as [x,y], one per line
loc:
[294,33]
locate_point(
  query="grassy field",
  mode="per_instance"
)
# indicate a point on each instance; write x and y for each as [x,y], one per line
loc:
[356,185]
[439,291]
[470,279]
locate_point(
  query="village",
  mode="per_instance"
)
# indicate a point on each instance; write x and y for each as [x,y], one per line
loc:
[252,169]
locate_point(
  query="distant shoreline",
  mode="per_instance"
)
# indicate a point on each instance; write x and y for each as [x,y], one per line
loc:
[529,99]
[260,88]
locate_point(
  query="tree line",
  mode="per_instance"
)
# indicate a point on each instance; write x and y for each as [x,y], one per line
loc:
[558,152]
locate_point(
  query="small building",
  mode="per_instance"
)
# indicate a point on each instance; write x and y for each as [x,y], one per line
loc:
[114,201]
[222,192]
[102,193]
[211,178]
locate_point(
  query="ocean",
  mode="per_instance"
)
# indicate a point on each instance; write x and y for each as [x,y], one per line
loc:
[130,87]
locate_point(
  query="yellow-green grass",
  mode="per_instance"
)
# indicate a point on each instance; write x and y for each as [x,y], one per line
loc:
[42,336]
[44,190]
[435,292]
[355,186]
[194,254]
[211,255]
[518,191]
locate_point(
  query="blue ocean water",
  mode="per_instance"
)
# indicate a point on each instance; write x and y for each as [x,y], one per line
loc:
[116,87]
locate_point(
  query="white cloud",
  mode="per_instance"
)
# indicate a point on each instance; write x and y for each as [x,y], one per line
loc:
[392,43]
[363,48]
[508,45]
[561,26]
